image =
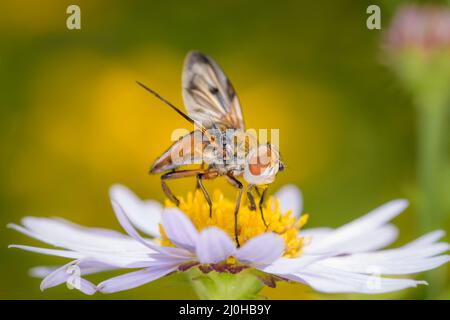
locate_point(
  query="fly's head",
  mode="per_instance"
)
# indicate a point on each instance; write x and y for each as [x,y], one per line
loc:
[262,165]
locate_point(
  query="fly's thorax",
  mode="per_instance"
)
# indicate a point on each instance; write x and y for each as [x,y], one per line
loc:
[262,165]
[227,148]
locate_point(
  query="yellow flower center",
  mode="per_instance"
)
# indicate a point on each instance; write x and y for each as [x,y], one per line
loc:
[250,223]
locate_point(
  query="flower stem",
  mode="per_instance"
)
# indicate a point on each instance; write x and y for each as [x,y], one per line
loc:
[432,122]
[427,76]
[428,80]
[225,286]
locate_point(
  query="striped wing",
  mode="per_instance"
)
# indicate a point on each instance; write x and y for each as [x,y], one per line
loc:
[208,95]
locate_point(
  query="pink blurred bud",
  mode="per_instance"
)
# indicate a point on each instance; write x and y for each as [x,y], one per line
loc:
[419,27]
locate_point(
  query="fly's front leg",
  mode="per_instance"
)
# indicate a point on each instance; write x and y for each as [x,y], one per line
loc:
[261,203]
[251,199]
[257,192]
[176,175]
[200,185]
[235,182]
[197,184]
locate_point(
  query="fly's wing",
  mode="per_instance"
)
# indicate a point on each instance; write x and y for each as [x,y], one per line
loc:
[208,95]
[190,149]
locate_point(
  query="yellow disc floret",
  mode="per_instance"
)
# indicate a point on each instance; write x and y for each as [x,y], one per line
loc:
[250,223]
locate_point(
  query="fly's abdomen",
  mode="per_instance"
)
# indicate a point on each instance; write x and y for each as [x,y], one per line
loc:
[186,151]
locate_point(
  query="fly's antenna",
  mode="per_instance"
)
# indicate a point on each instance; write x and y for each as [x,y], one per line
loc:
[177,110]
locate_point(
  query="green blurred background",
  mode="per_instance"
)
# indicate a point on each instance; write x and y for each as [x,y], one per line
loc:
[73,121]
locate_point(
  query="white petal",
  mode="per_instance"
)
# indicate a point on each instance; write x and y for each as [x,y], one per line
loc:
[314,234]
[85,286]
[373,240]
[417,256]
[165,251]
[33,234]
[41,271]
[330,280]
[70,273]
[426,239]
[284,266]
[87,269]
[407,252]
[64,234]
[124,221]
[360,264]
[179,229]
[167,261]
[290,198]
[106,245]
[51,252]
[58,276]
[66,274]
[117,259]
[261,250]
[133,279]
[214,246]
[144,215]
[359,227]
[402,253]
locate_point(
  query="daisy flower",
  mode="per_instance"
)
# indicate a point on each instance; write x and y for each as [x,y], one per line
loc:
[349,259]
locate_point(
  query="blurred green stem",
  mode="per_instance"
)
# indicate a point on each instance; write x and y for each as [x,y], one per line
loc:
[431,162]
[431,166]
[427,76]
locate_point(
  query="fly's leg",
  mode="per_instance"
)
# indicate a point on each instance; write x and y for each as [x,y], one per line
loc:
[252,205]
[261,202]
[251,199]
[176,175]
[197,184]
[235,182]
[169,193]
[200,185]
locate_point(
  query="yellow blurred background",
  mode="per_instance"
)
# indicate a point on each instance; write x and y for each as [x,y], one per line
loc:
[73,121]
